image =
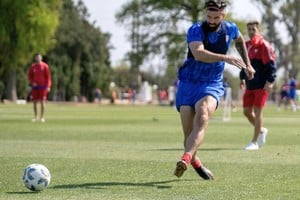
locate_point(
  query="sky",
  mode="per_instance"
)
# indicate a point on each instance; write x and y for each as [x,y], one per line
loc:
[104,16]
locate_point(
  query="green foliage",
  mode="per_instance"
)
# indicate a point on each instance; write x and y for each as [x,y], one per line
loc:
[155,29]
[120,152]
[159,25]
[80,60]
[287,49]
[26,28]
[76,51]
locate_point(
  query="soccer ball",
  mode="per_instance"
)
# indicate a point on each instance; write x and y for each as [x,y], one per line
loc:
[36,177]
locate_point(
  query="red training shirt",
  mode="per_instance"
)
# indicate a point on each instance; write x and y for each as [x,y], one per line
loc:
[39,75]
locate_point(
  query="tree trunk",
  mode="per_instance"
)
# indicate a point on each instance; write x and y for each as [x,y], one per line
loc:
[11,89]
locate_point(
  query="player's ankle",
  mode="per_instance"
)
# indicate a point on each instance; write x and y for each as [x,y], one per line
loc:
[186,157]
[196,163]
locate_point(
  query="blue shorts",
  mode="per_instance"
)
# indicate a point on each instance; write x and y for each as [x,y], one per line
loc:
[188,93]
[292,94]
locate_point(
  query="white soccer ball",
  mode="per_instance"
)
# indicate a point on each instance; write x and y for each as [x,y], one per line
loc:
[36,177]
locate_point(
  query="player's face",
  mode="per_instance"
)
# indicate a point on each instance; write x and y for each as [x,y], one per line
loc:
[214,19]
[38,58]
[252,30]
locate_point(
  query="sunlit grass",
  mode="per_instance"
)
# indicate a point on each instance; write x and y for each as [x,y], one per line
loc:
[129,152]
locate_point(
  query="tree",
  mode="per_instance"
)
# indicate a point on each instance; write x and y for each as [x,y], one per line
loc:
[290,16]
[26,28]
[80,60]
[155,31]
[160,30]
[286,12]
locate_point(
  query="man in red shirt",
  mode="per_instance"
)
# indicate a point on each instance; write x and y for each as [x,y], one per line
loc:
[40,82]
[262,59]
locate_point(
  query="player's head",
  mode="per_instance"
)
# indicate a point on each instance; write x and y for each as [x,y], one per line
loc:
[215,13]
[253,28]
[38,57]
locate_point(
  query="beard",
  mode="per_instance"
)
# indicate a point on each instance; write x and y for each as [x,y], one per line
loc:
[213,27]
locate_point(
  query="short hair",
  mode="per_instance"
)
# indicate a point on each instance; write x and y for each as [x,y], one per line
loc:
[216,5]
[253,22]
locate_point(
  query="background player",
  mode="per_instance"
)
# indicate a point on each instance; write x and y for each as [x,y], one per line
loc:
[40,82]
[293,94]
[262,59]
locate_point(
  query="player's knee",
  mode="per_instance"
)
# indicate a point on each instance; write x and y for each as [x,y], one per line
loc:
[202,116]
[247,113]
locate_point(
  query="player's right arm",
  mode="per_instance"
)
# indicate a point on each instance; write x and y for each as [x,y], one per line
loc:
[201,54]
[31,77]
[48,77]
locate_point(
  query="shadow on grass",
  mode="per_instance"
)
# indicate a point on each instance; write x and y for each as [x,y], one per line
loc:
[28,192]
[200,149]
[103,185]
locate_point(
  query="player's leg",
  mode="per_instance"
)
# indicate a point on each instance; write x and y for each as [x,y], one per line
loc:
[43,104]
[258,123]
[259,103]
[187,114]
[204,108]
[187,117]
[34,97]
[248,111]
[255,117]
[35,110]
[260,133]
[249,114]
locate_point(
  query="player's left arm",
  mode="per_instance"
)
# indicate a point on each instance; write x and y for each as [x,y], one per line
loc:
[240,46]
[31,76]
[48,78]
[268,59]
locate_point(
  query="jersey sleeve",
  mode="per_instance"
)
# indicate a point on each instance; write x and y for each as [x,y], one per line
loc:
[233,30]
[268,59]
[30,75]
[195,33]
[268,54]
[48,76]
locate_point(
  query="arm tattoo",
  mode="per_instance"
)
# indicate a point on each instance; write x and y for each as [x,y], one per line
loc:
[241,48]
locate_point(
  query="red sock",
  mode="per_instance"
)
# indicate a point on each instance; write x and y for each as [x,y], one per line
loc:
[196,163]
[186,158]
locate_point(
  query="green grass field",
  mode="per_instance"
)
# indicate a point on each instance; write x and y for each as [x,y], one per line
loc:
[129,152]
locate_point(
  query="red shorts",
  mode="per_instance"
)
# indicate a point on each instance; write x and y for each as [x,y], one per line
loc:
[39,94]
[256,98]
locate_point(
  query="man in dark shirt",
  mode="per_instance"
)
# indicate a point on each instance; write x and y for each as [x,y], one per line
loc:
[262,59]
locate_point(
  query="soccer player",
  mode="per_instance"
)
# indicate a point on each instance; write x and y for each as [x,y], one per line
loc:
[262,58]
[200,79]
[40,82]
[284,95]
[293,94]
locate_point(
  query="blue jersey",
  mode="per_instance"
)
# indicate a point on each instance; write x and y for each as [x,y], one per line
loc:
[198,79]
[217,42]
[293,87]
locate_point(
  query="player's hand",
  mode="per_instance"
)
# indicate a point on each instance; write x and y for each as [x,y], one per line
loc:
[48,89]
[250,72]
[238,62]
[242,84]
[268,86]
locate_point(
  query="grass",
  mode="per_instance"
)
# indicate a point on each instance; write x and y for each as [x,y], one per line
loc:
[129,152]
